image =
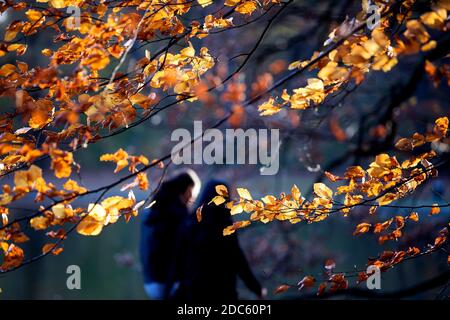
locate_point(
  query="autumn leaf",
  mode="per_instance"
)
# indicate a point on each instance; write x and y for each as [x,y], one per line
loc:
[204,3]
[13,257]
[218,200]
[435,210]
[236,209]
[61,163]
[39,223]
[221,190]
[441,126]
[413,251]
[50,248]
[7,69]
[404,144]
[120,157]
[331,176]
[244,193]
[439,241]
[89,226]
[362,228]
[322,288]
[296,194]
[237,225]
[92,223]
[27,178]
[306,282]
[282,288]
[198,213]
[322,191]
[142,180]
[72,185]
[414,216]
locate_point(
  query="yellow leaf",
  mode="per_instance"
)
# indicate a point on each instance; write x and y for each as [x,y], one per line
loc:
[204,3]
[322,191]
[236,209]
[97,211]
[188,52]
[59,211]
[47,52]
[269,108]
[244,193]
[120,157]
[441,126]
[61,163]
[89,226]
[218,200]
[228,230]
[142,180]
[433,19]
[296,194]
[58,4]
[27,178]
[39,223]
[386,199]
[7,69]
[72,185]
[18,47]
[10,35]
[247,7]
[269,199]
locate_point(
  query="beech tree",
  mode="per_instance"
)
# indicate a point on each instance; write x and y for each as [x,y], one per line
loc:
[91,89]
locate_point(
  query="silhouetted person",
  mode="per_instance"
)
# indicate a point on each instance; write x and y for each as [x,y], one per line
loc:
[213,261]
[159,245]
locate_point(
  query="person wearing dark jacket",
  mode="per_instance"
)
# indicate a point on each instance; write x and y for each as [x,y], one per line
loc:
[213,262]
[160,228]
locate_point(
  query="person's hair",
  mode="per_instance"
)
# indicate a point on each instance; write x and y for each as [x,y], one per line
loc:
[176,186]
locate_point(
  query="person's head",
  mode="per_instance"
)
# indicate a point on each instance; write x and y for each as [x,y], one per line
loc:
[184,185]
[187,186]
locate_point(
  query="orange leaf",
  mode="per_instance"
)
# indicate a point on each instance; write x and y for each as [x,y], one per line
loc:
[199,213]
[321,289]
[282,288]
[362,228]
[51,247]
[306,282]
[435,210]
[414,216]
